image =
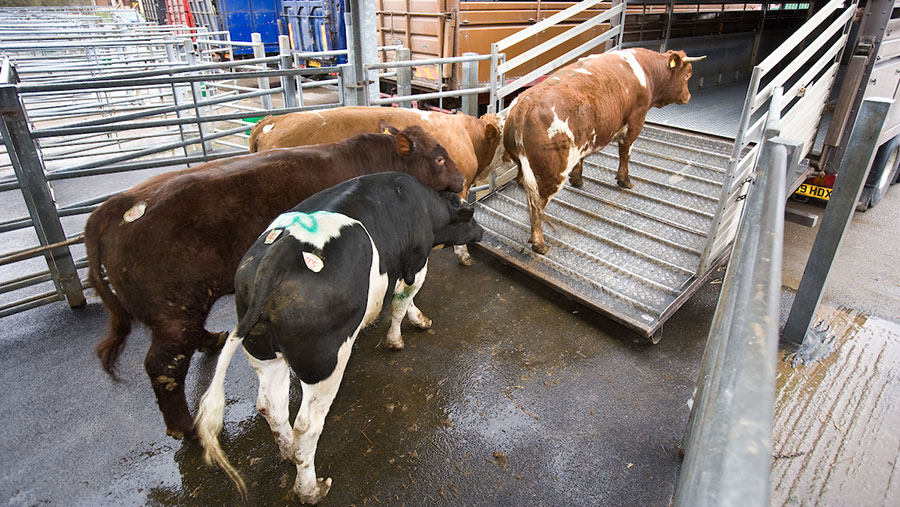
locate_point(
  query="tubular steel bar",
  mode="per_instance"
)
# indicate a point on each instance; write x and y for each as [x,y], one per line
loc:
[847,188]
[729,438]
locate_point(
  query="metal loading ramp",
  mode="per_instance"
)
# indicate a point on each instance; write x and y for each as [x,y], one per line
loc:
[633,255]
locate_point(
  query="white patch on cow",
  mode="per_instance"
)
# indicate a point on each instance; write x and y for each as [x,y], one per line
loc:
[402,304]
[317,228]
[272,400]
[424,115]
[631,60]
[556,78]
[513,104]
[557,126]
[620,135]
[267,128]
[310,421]
[321,117]
[584,71]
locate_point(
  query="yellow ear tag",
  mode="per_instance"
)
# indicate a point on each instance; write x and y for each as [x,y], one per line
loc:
[672,64]
[386,132]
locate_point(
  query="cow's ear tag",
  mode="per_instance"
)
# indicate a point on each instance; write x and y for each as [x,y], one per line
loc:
[273,235]
[386,132]
[672,63]
[313,262]
[135,212]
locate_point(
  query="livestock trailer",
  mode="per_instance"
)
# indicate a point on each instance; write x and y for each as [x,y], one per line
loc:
[637,255]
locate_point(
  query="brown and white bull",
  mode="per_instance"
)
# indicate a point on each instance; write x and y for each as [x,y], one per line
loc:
[580,109]
[473,143]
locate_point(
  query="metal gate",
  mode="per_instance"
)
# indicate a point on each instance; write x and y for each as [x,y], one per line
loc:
[131,102]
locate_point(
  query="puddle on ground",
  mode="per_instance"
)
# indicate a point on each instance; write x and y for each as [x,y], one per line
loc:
[836,438]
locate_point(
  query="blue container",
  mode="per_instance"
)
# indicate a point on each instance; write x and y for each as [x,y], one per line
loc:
[316,25]
[243,17]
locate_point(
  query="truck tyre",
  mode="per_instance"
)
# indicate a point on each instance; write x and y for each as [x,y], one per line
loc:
[883,173]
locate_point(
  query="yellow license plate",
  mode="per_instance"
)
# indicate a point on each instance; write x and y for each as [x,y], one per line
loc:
[814,191]
[314,63]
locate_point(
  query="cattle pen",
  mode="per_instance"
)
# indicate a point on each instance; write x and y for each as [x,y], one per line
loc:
[520,395]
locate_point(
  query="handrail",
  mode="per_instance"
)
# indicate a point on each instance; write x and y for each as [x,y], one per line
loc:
[729,438]
[499,89]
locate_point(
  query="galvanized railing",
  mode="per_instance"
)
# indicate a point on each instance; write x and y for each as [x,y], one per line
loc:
[179,112]
[467,92]
[806,65]
[500,89]
[729,437]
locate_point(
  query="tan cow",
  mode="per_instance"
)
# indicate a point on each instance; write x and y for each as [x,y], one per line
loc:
[473,143]
[580,109]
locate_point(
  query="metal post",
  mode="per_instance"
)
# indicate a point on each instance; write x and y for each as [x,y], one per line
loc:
[259,51]
[347,88]
[172,57]
[363,41]
[847,188]
[493,106]
[196,95]
[29,168]
[288,82]
[404,77]
[469,81]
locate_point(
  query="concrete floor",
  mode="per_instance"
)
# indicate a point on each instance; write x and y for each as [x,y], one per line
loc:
[518,397]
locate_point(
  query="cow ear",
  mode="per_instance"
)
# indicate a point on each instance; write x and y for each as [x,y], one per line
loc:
[464,214]
[403,143]
[491,131]
[674,61]
[384,128]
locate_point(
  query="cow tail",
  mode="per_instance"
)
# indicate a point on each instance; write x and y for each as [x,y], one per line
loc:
[211,415]
[269,273]
[256,131]
[119,319]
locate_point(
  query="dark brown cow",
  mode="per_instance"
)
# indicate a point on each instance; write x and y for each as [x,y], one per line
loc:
[581,108]
[171,245]
[473,143]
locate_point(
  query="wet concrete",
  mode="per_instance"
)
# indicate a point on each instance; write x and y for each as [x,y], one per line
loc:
[836,439]
[517,397]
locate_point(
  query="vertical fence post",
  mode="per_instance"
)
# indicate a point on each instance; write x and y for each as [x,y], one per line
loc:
[288,83]
[404,77]
[259,51]
[172,57]
[197,95]
[29,168]
[847,188]
[494,100]
[348,85]
[469,81]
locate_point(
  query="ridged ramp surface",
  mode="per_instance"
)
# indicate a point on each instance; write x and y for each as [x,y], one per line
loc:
[630,254]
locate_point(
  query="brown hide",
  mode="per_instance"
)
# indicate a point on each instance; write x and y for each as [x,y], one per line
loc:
[581,108]
[170,264]
[471,142]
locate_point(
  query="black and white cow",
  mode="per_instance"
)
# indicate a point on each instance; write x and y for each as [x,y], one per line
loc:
[318,275]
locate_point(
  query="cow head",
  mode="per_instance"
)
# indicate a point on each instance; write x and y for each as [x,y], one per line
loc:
[679,69]
[462,227]
[424,158]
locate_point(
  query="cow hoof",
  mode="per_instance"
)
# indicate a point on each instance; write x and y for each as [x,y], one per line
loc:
[625,184]
[576,182]
[462,254]
[540,248]
[318,493]
[423,323]
[181,434]
[395,345]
